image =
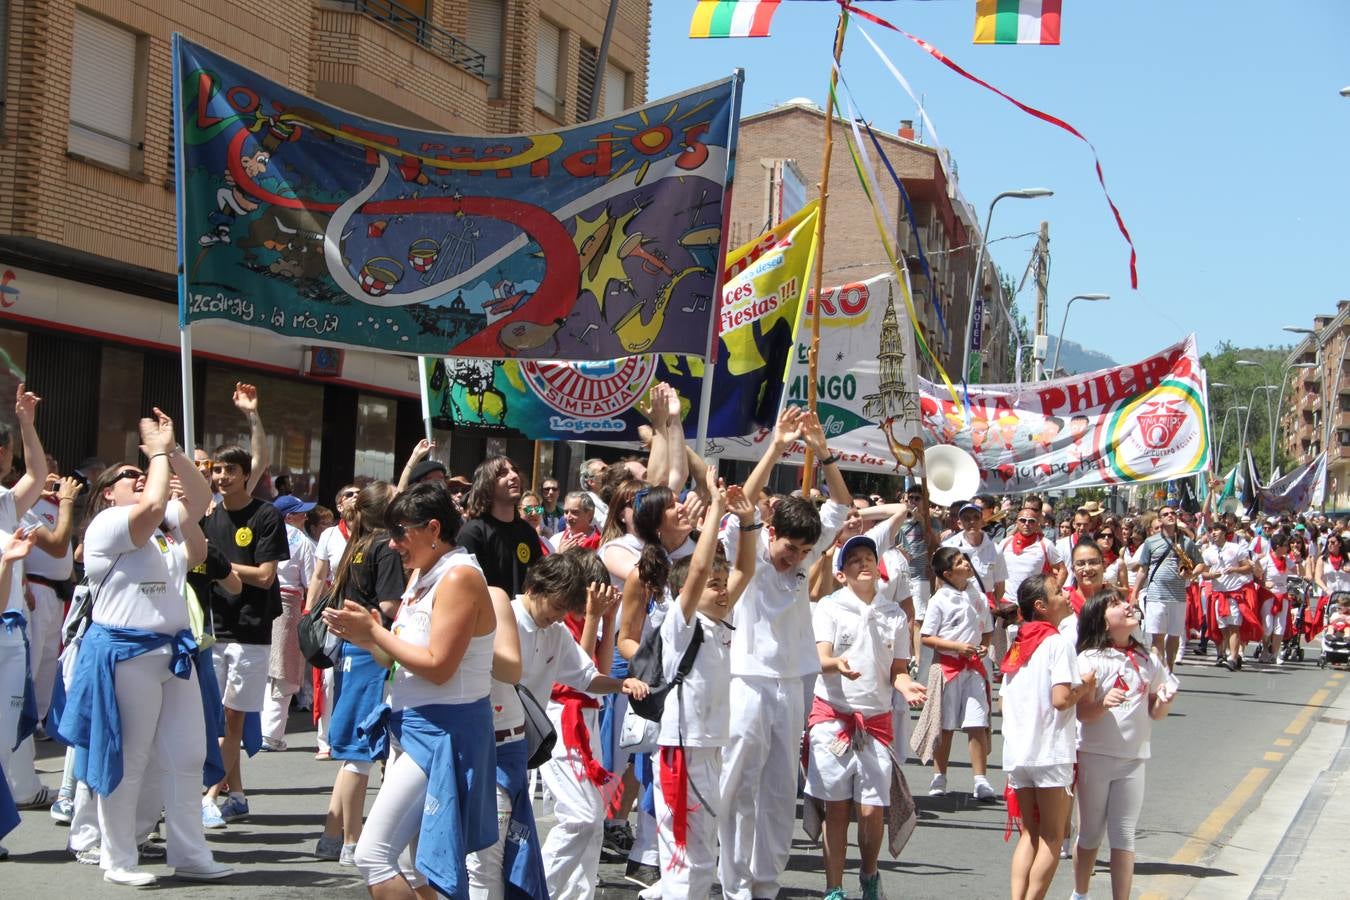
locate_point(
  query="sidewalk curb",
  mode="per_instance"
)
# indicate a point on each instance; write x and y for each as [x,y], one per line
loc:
[1253,847]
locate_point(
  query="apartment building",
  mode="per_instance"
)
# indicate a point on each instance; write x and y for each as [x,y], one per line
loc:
[1316,411]
[88,310]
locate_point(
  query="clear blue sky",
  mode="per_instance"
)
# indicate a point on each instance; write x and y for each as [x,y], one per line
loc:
[1219,124]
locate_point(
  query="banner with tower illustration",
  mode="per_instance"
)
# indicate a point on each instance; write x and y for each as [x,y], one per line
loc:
[591,242]
[598,401]
[1137,423]
[867,389]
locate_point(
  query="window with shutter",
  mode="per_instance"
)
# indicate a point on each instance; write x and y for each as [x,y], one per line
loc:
[4,42]
[487,19]
[103,86]
[615,100]
[587,63]
[546,69]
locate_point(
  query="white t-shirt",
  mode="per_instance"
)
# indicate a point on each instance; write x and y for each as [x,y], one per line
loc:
[58,568]
[1132,569]
[472,680]
[706,700]
[293,574]
[550,655]
[1221,559]
[1033,560]
[8,522]
[870,636]
[1124,730]
[961,616]
[330,548]
[1034,732]
[986,560]
[773,637]
[898,585]
[1068,629]
[1278,581]
[137,587]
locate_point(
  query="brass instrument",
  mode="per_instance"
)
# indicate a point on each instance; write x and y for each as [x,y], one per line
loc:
[1185,565]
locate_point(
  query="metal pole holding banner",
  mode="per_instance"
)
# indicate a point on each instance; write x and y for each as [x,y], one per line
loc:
[425,390]
[719,277]
[187,425]
[188,436]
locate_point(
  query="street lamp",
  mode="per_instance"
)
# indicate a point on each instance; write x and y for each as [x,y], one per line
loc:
[1023,194]
[1279,404]
[1248,418]
[1218,445]
[1345,91]
[1060,342]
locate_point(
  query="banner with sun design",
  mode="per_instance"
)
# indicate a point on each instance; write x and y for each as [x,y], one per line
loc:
[602,400]
[593,242]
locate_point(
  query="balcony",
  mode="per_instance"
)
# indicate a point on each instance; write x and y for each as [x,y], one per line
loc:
[377,59]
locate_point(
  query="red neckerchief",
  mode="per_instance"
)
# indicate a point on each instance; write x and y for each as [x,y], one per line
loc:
[1109,556]
[1022,541]
[1029,639]
[1281,563]
[1076,600]
[1120,682]
[576,737]
[1336,562]
[342,529]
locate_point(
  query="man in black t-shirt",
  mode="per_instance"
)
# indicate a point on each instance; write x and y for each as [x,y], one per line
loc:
[504,543]
[252,536]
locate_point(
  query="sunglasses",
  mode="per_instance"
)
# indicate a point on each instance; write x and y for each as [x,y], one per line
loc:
[347,495]
[551,489]
[399,530]
[1027,521]
[532,510]
[133,474]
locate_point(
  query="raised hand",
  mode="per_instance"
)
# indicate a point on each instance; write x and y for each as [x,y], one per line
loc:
[674,409]
[658,410]
[68,489]
[789,425]
[245,397]
[157,434]
[814,435]
[739,505]
[420,451]
[25,404]
[19,544]
[693,508]
[600,599]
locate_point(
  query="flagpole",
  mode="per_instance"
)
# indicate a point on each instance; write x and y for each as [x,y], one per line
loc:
[719,276]
[187,427]
[425,390]
[813,355]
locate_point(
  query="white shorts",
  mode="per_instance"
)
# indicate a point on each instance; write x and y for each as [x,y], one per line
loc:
[1057,776]
[862,773]
[1234,617]
[921,593]
[241,672]
[1165,617]
[1274,624]
[965,704]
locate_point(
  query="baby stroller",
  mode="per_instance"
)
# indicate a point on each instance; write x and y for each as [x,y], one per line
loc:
[1301,592]
[1335,644]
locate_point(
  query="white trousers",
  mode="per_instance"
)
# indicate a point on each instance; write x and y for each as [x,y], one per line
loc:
[326,714]
[572,850]
[393,824]
[1110,796]
[162,715]
[487,881]
[16,761]
[759,784]
[44,639]
[692,876]
[276,710]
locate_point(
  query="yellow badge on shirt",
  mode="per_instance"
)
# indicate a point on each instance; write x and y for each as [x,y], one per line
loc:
[243,537]
[358,558]
[522,553]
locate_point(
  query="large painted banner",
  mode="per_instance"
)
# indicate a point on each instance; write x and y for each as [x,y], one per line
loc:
[1295,493]
[1139,423]
[761,297]
[867,387]
[593,242]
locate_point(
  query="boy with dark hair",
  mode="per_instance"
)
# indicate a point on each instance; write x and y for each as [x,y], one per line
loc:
[772,653]
[252,535]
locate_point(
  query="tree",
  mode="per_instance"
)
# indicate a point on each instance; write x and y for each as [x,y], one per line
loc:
[1221,367]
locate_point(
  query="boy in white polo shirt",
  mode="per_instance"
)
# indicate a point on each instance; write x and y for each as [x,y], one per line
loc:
[772,652]
[697,717]
[862,639]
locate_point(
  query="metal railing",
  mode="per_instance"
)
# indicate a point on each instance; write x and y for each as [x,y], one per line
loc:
[417,29]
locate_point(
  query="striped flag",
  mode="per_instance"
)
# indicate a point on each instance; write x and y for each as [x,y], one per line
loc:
[732,18]
[1017,21]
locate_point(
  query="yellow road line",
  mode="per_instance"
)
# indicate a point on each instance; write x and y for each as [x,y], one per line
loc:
[1306,714]
[1283,742]
[1272,756]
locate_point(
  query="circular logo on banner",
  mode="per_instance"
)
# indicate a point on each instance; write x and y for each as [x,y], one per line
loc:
[1164,424]
[522,553]
[591,390]
[243,537]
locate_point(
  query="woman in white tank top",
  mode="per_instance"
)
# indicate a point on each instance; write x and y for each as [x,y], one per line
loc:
[441,783]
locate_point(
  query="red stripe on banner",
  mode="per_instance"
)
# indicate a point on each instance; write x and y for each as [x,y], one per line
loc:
[1029,110]
[763,14]
[1050,21]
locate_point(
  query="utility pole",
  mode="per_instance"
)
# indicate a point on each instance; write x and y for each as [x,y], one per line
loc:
[1041,342]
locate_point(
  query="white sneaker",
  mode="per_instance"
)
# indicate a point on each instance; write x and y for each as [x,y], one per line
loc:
[212,871]
[938,786]
[129,877]
[984,790]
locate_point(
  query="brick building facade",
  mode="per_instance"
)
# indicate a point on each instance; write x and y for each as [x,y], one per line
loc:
[87,226]
[1316,411]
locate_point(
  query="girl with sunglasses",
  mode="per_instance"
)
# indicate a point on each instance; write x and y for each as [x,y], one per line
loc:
[139,674]
[369,575]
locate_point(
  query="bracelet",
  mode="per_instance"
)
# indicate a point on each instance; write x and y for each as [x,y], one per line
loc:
[829,460]
[65,500]
[161,453]
[755,527]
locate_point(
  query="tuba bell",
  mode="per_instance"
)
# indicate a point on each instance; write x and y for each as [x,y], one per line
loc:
[952,474]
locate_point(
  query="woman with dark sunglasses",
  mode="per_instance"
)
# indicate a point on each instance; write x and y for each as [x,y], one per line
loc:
[139,676]
[370,574]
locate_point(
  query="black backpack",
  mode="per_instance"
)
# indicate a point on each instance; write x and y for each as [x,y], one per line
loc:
[646,666]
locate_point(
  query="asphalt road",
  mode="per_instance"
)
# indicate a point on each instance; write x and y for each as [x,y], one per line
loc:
[1227,740]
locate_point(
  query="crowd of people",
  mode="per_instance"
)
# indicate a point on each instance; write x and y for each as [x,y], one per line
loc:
[665,651]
